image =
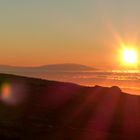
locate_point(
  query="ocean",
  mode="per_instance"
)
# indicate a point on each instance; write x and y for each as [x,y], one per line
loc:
[128,81]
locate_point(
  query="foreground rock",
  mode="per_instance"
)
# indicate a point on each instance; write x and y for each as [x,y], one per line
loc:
[32,109]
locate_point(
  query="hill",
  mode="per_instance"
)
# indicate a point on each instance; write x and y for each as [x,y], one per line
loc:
[32,109]
[53,67]
[68,67]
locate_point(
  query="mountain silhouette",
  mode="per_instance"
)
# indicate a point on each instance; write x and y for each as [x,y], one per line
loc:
[52,67]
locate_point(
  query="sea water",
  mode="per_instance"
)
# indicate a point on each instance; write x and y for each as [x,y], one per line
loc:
[128,81]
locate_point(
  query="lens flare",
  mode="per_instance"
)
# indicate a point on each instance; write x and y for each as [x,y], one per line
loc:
[12,93]
[6,91]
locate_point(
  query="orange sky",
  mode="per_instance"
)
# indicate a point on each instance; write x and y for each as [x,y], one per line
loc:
[86,32]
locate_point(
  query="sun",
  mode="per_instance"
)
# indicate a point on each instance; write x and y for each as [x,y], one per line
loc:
[130,56]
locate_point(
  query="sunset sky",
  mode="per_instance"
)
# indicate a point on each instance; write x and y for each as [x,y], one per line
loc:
[38,32]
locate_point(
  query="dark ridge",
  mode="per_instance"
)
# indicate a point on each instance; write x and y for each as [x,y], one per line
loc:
[48,110]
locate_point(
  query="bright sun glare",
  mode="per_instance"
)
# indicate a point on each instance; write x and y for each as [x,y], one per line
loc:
[130,56]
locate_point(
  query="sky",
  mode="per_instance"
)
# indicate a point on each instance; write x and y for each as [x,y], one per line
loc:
[39,32]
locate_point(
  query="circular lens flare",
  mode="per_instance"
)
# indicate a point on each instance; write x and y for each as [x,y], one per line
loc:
[6,91]
[12,93]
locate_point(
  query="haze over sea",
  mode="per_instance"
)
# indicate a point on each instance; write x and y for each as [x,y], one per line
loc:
[128,81]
